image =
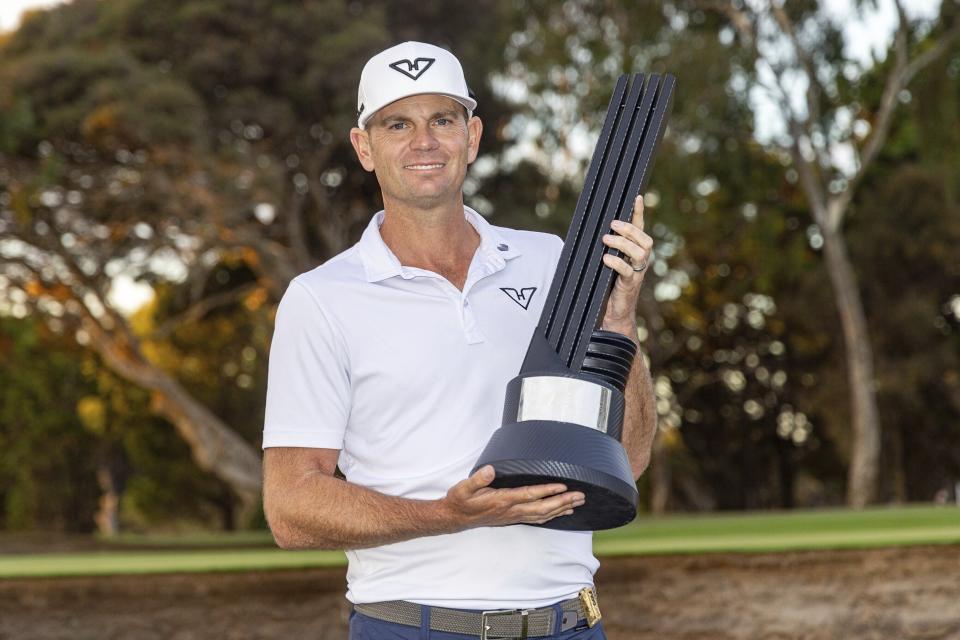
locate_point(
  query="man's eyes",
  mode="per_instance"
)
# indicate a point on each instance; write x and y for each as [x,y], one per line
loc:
[399,125]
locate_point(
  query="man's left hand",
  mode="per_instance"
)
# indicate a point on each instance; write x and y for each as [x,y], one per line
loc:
[620,314]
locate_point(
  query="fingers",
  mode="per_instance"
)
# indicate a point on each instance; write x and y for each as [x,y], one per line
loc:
[532,493]
[533,504]
[634,254]
[480,479]
[478,504]
[630,239]
[638,212]
[636,250]
[631,233]
[548,508]
[620,266]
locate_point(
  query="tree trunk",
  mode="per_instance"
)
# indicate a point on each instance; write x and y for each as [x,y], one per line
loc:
[659,476]
[107,516]
[786,473]
[214,446]
[898,465]
[226,504]
[660,472]
[112,472]
[865,446]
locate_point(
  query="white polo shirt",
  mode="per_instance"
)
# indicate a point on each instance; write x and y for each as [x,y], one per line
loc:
[405,375]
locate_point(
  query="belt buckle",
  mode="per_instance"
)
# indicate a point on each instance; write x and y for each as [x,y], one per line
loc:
[485,628]
[588,600]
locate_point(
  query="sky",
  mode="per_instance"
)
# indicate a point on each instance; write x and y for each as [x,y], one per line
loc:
[866,36]
[10,11]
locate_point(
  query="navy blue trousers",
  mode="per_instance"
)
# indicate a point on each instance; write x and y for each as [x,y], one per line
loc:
[366,628]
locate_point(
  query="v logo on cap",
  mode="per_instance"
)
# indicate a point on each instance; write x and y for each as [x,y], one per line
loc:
[412,70]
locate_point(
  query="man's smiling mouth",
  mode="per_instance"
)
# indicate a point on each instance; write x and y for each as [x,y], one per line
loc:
[425,167]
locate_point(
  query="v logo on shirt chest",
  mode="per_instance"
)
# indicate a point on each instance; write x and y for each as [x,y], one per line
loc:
[522,297]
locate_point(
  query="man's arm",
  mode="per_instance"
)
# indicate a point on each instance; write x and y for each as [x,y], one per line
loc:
[640,417]
[307,507]
[620,315]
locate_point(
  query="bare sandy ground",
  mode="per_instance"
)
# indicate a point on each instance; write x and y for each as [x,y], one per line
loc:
[904,593]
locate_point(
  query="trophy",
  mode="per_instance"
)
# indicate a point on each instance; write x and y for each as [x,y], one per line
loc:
[563,414]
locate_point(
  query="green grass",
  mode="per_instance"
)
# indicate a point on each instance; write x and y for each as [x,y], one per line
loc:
[129,563]
[751,532]
[784,531]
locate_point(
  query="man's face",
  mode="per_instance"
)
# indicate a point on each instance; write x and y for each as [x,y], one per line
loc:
[419,147]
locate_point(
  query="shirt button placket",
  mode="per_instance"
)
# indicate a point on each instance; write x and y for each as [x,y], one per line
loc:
[470,329]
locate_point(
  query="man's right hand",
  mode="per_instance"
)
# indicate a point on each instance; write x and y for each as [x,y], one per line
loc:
[473,503]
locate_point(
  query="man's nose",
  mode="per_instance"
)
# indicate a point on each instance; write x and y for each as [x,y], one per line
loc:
[423,139]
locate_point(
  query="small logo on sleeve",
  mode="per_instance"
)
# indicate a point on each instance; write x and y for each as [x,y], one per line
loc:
[521,297]
[412,70]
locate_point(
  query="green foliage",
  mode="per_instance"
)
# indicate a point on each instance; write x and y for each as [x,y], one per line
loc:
[149,129]
[63,418]
[729,225]
[908,244]
[46,467]
[16,121]
[166,491]
[177,115]
[61,86]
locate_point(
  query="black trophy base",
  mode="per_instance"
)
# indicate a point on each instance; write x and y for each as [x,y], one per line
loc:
[545,452]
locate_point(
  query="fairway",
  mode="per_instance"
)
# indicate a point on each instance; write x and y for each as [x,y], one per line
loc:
[784,531]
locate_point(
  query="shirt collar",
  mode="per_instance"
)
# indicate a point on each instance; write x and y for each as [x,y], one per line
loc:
[379,262]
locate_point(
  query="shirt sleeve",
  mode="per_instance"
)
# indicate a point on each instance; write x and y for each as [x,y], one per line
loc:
[308,381]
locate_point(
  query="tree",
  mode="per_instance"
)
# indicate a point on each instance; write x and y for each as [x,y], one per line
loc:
[196,147]
[794,45]
[714,171]
[714,300]
[157,142]
[46,451]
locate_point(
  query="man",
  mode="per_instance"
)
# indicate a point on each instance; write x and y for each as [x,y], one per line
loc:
[392,358]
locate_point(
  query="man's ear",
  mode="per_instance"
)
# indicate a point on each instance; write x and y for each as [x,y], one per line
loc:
[360,140]
[474,131]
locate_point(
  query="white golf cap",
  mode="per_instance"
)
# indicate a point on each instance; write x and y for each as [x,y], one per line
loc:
[410,69]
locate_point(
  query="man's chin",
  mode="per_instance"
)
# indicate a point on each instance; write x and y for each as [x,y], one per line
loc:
[430,194]
[433,200]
